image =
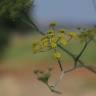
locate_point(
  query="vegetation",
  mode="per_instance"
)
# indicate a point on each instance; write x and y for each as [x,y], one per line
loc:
[14,17]
[58,39]
[16,14]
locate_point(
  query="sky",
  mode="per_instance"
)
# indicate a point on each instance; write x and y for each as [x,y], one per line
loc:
[65,11]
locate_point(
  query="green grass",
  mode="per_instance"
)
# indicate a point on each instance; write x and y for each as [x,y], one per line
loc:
[21,51]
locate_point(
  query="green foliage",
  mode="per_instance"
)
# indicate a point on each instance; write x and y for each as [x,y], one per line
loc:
[14,17]
[43,76]
[16,13]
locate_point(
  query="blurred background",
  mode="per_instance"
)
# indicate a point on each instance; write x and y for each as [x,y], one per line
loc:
[19,23]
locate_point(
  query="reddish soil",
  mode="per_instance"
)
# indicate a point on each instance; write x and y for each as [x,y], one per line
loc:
[80,82]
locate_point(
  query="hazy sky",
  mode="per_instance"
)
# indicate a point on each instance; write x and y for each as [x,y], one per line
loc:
[74,11]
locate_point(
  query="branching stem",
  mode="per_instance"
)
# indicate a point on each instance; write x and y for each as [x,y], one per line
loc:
[81,52]
[71,55]
[60,65]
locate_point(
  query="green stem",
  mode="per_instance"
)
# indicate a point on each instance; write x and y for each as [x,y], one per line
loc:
[80,54]
[67,51]
[60,65]
[59,62]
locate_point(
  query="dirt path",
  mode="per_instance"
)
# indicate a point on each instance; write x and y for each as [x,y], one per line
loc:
[23,82]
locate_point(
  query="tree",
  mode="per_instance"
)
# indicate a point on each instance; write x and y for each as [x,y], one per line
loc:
[14,15]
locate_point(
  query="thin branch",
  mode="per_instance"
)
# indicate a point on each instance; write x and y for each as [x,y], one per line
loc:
[70,54]
[70,70]
[67,51]
[59,79]
[80,54]
[33,24]
[88,67]
[60,65]
[62,76]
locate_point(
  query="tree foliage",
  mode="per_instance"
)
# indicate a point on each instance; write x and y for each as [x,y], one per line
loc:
[15,14]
